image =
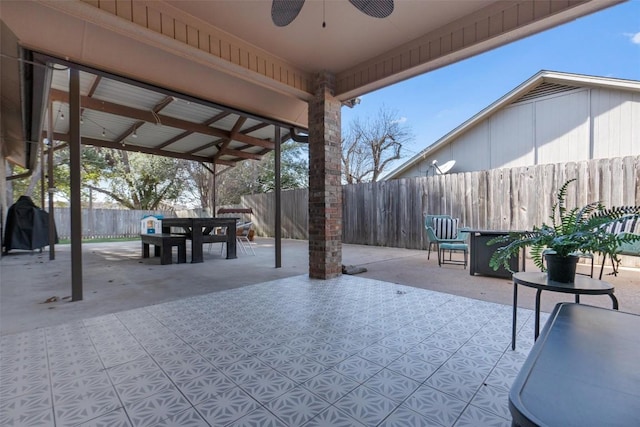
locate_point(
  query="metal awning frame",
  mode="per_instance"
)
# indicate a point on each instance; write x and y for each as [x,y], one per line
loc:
[244,140]
[73,137]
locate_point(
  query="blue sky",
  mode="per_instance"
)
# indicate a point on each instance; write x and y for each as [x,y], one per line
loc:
[606,43]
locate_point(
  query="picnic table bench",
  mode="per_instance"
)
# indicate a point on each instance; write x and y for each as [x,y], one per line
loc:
[163,244]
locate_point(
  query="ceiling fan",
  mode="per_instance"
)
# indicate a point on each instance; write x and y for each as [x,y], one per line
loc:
[283,12]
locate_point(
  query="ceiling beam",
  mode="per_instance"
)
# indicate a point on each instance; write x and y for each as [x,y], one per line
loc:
[217,143]
[148,116]
[224,144]
[237,153]
[255,128]
[220,141]
[56,147]
[124,135]
[94,86]
[163,104]
[132,129]
[187,133]
[92,90]
[260,153]
[140,149]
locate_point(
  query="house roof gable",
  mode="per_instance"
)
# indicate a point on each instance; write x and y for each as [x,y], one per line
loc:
[542,83]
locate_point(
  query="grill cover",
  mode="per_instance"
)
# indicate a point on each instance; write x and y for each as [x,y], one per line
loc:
[27,226]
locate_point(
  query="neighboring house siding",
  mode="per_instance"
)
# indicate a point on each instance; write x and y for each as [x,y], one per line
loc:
[616,123]
[566,124]
[472,149]
[512,137]
[562,128]
[419,169]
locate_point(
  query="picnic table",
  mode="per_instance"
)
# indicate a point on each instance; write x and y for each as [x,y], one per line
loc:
[199,231]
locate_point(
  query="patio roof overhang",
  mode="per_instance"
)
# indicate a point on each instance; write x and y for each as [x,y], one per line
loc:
[229,58]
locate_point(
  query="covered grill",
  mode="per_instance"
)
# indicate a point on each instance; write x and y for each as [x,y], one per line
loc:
[27,226]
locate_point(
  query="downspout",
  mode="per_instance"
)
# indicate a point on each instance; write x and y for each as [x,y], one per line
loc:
[213,200]
[293,134]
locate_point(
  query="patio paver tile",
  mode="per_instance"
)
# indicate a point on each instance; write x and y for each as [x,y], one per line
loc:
[347,351]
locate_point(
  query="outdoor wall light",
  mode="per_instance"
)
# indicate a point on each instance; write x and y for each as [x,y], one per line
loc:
[352,102]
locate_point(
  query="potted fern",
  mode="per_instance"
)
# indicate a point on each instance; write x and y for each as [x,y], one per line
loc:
[589,229]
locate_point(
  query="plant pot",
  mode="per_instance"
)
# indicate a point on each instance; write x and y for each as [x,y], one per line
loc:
[561,268]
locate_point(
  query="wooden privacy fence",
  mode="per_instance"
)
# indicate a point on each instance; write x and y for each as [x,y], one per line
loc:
[390,213]
[295,216]
[103,223]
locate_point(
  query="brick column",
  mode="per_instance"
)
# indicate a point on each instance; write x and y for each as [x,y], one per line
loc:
[325,189]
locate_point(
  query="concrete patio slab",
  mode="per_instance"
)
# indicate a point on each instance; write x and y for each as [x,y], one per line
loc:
[291,352]
[238,342]
[117,278]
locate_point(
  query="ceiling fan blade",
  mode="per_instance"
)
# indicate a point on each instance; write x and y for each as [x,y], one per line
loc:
[374,8]
[283,12]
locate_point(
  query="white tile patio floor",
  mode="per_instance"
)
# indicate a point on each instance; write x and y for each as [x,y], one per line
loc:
[291,352]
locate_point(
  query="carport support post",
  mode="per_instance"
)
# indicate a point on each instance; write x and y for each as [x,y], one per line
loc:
[52,228]
[214,190]
[325,189]
[42,174]
[278,184]
[75,153]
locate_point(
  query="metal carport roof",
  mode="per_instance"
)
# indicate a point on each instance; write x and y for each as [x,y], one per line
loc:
[123,114]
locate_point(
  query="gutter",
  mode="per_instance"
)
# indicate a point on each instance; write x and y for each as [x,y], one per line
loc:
[297,137]
[20,175]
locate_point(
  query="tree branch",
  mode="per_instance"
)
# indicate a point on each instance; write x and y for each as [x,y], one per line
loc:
[114,196]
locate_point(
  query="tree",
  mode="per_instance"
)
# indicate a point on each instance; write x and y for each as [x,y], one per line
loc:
[27,186]
[371,145]
[133,180]
[200,185]
[92,167]
[139,181]
[294,168]
[252,177]
[237,181]
[143,181]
